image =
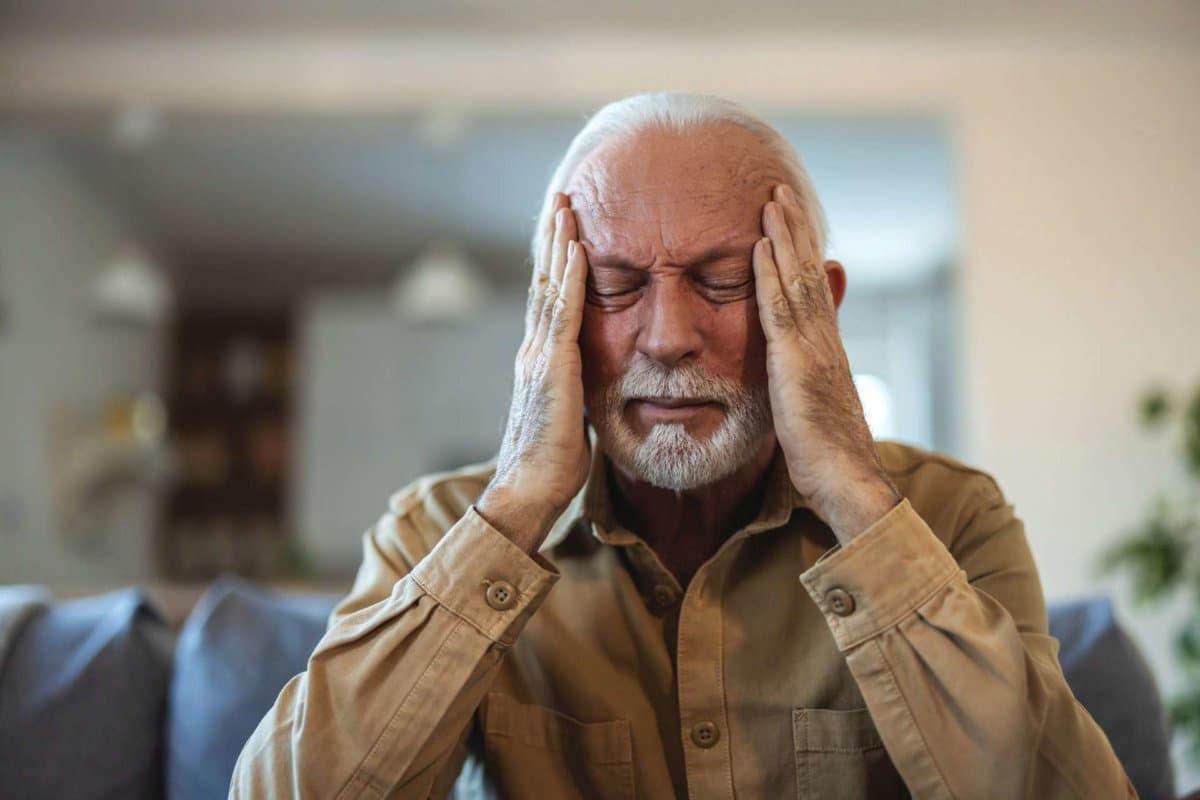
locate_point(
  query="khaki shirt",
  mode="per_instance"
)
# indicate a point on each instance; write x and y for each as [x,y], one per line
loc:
[913,661]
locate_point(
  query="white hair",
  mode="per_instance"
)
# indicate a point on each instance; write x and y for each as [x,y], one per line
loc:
[680,112]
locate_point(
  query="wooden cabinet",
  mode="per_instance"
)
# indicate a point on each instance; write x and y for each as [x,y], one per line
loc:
[229,404]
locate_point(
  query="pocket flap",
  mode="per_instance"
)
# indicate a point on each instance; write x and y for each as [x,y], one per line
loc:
[537,726]
[827,731]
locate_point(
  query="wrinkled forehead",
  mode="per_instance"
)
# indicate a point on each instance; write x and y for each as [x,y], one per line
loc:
[674,192]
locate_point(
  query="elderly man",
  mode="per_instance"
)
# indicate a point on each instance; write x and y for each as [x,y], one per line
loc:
[726,588]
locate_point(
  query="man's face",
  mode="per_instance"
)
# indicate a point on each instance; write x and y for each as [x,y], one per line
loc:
[673,354]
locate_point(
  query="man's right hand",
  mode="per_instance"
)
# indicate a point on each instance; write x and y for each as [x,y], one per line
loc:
[544,456]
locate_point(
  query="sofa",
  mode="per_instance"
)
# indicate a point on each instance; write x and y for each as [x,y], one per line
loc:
[103,697]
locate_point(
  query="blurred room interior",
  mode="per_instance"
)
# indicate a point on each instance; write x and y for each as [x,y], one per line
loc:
[261,265]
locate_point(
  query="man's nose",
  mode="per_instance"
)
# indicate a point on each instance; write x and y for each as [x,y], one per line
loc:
[668,331]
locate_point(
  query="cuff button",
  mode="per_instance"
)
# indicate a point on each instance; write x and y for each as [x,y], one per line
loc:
[501,595]
[840,602]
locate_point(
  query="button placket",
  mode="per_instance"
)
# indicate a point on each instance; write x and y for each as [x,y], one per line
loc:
[658,584]
[700,684]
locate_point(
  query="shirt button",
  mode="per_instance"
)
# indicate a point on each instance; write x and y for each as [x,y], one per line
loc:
[705,734]
[663,595]
[840,601]
[501,595]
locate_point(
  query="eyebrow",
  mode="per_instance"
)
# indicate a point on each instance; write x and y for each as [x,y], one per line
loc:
[710,255]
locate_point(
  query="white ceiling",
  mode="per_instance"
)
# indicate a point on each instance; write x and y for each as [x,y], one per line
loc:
[355,198]
[1156,20]
[284,178]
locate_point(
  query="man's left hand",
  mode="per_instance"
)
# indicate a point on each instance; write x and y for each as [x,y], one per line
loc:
[831,456]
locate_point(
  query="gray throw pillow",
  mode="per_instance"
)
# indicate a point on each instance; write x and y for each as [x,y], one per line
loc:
[238,648]
[83,689]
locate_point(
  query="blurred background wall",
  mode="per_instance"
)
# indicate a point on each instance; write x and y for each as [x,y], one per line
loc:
[1028,173]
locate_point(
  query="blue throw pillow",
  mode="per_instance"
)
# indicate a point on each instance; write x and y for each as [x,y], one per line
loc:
[1109,676]
[238,648]
[83,693]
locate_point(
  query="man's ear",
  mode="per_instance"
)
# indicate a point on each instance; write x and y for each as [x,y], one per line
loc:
[836,275]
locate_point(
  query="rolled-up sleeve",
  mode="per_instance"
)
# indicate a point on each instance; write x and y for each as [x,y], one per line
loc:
[950,650]
[390,692]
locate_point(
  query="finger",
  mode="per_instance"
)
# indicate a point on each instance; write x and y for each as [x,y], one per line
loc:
[565,230]
[568,312]
[804,242]
[552,284]
[800,282]
[564,227]
[774,310]
[538,344]
[791,272]
[541,270]
[556,319]
[547,236]
[541,273]
[803,231]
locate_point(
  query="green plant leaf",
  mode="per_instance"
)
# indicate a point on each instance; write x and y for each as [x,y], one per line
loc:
[1185,720]
[1191,435]
[1153,407]
[1187,645]
[1155,555]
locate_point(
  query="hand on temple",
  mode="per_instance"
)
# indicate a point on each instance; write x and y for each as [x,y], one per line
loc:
[544,455]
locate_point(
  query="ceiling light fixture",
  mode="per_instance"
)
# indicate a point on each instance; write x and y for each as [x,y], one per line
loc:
[131,288]
[441,285]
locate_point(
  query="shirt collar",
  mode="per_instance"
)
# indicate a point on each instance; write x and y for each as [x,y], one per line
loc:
[593,504]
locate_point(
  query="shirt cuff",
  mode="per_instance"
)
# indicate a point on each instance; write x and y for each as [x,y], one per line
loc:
[479,574]
[880,577]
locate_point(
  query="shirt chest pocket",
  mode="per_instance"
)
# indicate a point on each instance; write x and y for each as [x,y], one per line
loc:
[839,755]
[534,751]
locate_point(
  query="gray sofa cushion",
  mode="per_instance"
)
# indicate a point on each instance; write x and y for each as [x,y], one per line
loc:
[1109,676]
[236,651]
[18,604]
[82,700]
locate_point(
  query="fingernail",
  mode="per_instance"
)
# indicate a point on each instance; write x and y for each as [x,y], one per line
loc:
[570,249]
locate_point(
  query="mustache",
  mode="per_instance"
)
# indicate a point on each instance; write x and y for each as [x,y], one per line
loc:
[653,380]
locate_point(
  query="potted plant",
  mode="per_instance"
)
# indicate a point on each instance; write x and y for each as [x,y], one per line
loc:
[1161,555]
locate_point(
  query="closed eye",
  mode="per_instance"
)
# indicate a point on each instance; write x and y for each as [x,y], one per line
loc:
[612,297]
[608,283]
[726,291]
[727,284]
[611,292]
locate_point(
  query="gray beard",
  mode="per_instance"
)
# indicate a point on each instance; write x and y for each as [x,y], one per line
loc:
[669,457]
